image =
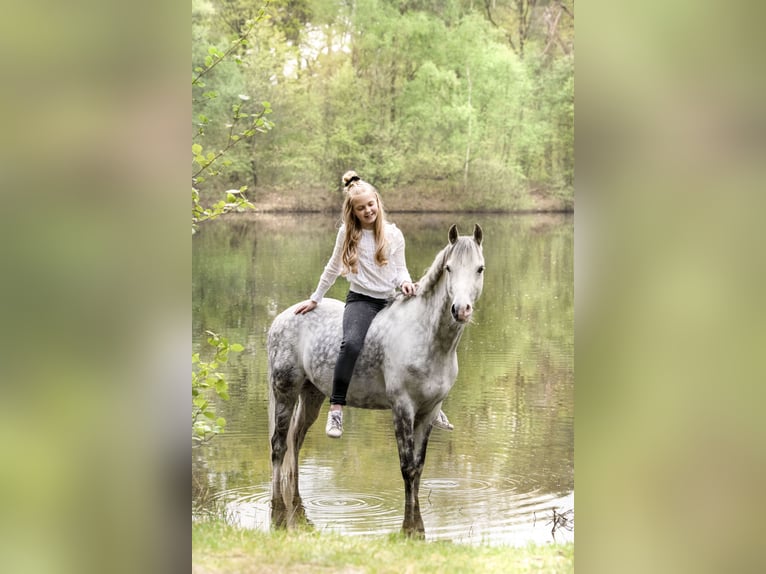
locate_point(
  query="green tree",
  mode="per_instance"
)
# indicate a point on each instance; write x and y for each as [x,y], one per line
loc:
[224,114]
[232,126]
[472,99]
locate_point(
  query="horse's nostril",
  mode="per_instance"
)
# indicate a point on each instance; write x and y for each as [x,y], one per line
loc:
[461,312]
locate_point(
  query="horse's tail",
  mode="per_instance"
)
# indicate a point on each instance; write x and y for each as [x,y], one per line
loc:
[289,464]
[272,403]
[270,358]
[283,462]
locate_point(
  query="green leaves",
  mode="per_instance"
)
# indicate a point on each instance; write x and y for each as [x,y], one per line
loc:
[386,90]
[244,121]
[235,201]
[207,381]
[215,53]
[241,122]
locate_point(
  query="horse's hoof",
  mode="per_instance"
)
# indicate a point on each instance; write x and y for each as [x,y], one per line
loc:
[417,531]
[415,534]
[278,514]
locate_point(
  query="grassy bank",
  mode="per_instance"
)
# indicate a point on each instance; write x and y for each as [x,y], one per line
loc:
[219,548]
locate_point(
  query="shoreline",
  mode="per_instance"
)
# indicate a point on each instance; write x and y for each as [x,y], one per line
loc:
[397,201]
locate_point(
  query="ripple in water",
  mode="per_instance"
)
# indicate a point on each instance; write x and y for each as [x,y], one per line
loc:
[468,510]
[460,484]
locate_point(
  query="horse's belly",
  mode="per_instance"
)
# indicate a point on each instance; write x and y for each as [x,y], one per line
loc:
[366,388]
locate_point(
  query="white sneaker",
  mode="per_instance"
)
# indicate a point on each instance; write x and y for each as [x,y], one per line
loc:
[334,428]
[441,422]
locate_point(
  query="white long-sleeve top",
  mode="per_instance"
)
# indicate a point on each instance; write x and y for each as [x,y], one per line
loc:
[371,279]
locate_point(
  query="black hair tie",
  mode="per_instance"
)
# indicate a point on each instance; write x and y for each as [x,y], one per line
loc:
[352,180]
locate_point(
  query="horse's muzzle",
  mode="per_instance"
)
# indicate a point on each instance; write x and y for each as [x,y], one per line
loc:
[462,313]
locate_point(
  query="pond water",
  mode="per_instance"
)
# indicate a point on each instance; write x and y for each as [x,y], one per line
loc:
[509,463]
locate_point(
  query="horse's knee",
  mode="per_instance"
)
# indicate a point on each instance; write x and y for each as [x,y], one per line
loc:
[409,471]
[278,447]
[283,376]
[277,453]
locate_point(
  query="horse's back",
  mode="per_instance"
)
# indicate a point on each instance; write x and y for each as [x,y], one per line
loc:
[289,329]
[287,319]
[302,345]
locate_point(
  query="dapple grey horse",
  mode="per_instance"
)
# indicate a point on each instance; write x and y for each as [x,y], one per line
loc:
[408,364]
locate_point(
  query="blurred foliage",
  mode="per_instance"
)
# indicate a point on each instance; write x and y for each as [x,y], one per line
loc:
[670,280]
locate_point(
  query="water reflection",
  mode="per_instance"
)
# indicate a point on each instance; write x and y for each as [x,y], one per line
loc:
[508,463]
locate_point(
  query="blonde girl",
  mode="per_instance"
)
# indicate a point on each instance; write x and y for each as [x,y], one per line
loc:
[369,252]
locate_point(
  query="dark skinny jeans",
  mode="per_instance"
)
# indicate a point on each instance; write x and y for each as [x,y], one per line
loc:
[359,312]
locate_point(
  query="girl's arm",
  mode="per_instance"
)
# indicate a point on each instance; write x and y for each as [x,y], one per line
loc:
[328,277]
[399,262]
[332,269]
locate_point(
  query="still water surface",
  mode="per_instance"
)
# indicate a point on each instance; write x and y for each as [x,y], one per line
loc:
[510,460]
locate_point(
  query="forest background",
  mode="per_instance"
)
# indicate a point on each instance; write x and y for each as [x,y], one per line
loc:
[442,105]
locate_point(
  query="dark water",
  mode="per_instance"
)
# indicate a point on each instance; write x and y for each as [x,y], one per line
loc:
[510,460]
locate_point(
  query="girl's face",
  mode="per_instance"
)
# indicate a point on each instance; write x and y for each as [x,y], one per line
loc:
[365,208]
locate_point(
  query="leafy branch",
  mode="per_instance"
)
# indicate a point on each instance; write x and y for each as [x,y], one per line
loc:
[207,378]
[241,126]
[258,123]
[215,56]
[235,201]
[235,198]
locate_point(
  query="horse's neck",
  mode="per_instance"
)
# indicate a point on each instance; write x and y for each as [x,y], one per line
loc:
[436,311]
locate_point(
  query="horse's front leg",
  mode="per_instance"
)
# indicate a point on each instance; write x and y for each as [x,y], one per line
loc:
[422,431]
[411,440]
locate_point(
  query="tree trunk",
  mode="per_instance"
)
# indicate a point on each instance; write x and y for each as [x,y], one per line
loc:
[468,142]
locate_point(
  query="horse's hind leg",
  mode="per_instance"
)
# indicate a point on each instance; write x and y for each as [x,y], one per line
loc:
[305,414]
[283,395]
[293,414]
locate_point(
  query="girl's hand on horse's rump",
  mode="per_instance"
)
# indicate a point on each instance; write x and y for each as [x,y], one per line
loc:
[305,307]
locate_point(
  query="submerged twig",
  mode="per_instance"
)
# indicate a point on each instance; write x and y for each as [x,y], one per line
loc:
[563,520]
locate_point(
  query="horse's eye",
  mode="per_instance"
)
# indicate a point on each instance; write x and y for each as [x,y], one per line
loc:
[447,268]
[480,269]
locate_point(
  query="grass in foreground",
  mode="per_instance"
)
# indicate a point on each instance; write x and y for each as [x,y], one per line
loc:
[218,548]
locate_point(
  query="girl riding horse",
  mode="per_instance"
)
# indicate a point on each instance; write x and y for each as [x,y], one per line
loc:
[369,252]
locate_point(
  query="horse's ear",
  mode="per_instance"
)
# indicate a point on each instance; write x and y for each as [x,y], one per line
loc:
[453,233]
[478,234]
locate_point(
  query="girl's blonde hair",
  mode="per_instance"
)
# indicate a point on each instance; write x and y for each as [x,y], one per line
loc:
[353,186]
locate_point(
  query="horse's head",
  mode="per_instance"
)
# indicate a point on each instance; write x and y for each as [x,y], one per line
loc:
[463,268]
